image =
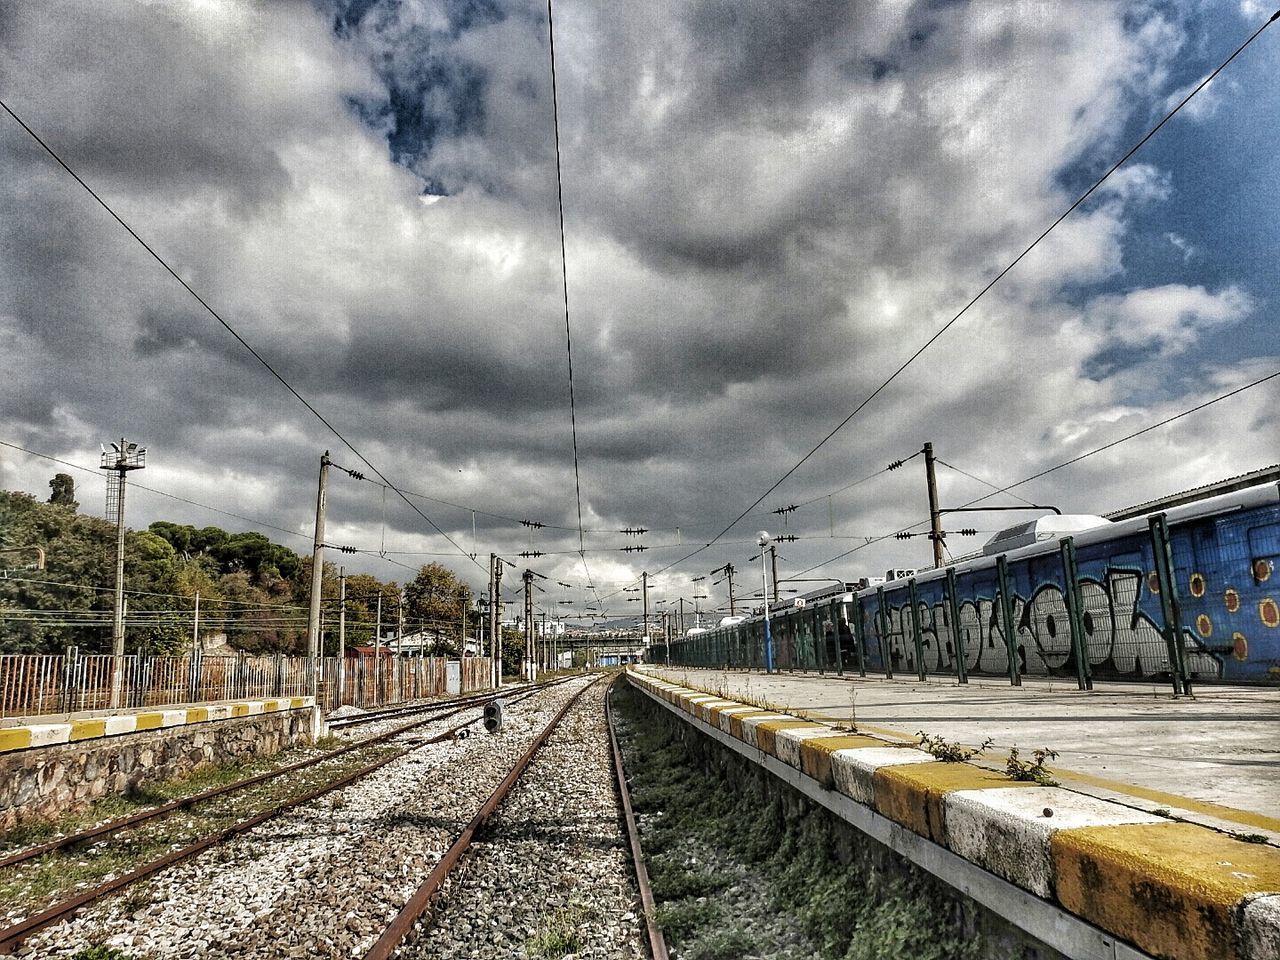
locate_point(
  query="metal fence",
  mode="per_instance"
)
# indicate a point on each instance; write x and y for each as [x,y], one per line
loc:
[38,684]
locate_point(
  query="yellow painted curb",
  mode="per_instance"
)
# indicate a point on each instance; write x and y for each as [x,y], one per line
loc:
[1245,817]
[815,754]
[15,738]
[911,794]
[149,721]
[767,732]
[197,715]
[735,722]
[1171,888]
[87,729]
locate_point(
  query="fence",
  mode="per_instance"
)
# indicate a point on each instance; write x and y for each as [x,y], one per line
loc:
[35,684]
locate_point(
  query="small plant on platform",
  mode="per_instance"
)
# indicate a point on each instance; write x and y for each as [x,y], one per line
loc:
[1250,837]
[950,751]
[1033,772]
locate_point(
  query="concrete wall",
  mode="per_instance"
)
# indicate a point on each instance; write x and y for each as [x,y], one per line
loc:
[46,782]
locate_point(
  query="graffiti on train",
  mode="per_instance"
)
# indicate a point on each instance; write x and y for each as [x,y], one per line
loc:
[1120,638]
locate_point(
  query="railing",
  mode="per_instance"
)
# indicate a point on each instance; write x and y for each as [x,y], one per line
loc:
[41,684]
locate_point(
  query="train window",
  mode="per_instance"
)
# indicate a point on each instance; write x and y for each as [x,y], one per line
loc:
[1264,551]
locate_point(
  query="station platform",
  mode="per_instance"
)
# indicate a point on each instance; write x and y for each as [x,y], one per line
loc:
[1093,867]
[1213,757]
[23,733]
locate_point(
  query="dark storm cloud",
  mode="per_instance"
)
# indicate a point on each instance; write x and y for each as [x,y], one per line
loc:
[768,206]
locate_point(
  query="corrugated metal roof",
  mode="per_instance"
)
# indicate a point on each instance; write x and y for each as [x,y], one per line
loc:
[1269,474]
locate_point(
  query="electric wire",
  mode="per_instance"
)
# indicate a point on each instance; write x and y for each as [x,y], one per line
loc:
[564,280]
[991,283]
[227,326]
[985,483]
[1073,460]
[134,485]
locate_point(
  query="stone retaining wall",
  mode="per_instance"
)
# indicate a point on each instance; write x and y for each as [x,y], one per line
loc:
[46,782]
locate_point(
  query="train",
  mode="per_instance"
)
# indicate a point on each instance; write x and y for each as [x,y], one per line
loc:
[1188,595]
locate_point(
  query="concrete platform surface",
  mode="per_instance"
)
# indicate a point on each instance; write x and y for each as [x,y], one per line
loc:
[1212,758]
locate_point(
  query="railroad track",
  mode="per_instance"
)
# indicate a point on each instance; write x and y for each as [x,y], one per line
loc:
[319,880]
[107,828]
[227,823]
[550,840]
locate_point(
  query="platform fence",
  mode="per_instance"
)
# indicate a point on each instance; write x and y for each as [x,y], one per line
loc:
[48,684]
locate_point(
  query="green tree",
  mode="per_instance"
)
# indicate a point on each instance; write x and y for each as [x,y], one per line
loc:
[437,600]
[64,491]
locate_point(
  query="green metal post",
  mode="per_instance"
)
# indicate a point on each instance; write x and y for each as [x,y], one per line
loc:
[953,608]
[882,625]
[1169,607]
[916,633]
[1075,613]
[1006,618]
[859,634]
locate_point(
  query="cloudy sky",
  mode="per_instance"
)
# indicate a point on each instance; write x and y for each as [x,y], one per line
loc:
[768,206]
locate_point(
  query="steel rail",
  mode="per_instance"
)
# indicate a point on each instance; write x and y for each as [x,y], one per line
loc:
[182,803]
[403,922]
[121,823]
[11,937]
[657,942]
[373,716]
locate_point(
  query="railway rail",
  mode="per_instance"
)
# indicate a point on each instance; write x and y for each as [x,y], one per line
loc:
[317,882]
[109,827]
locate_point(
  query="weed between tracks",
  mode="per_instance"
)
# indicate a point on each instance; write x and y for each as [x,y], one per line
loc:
[559,936]
[742,868]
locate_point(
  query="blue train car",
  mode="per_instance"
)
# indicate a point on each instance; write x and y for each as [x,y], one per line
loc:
[1189,595]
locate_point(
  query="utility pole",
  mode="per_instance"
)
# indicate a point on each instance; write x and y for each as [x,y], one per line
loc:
[317,586]
[644,595]
[120,459]
[495,618]
[342,632]
[530,673]
[773,562]
[682,616]
[728,572]
[377,654]
[935,516]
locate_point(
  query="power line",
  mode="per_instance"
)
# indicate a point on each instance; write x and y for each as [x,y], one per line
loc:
[994,280]
[160,493]
[1074,460]
[564,281]
[985,483]
[227,326]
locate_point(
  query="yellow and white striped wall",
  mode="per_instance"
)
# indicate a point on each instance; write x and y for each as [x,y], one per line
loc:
[27,736]
[1091,877]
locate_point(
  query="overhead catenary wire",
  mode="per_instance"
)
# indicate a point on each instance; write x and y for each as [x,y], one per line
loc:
[134,485]
[225,324]
[933,338]
[1076,459]
[564,286]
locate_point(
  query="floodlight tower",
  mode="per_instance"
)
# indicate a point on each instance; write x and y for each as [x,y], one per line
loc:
[120,459]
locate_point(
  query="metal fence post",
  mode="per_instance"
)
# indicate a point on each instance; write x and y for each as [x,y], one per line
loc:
[1075,613]
[1169,607]
[882,628]
[916,634]
[1006,618]
[957,635]
[859,635]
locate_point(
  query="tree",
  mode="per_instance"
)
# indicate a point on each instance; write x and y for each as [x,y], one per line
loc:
[437,600]
[64,491]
